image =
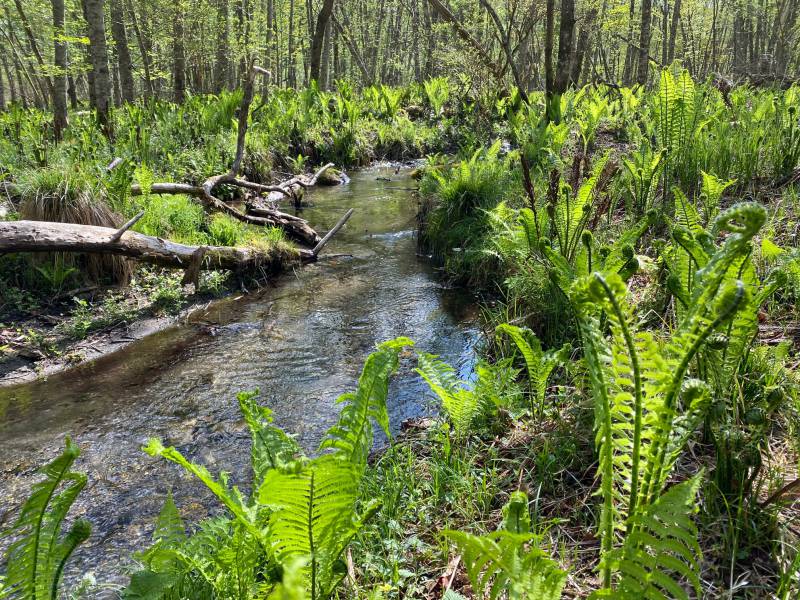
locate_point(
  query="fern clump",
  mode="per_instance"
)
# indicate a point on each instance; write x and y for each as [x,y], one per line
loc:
[299,517]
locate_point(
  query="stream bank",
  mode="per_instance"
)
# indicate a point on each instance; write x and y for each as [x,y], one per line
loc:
[301,342]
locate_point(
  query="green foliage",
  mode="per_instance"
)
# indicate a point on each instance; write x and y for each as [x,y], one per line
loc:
[508,561]
[539,363]
[437,92]
[469,405]
[299,517]
[40,547]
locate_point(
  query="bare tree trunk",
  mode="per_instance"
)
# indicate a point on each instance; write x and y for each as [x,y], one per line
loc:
[72,93]
[269,39]
[291,77]
[325,67]
[26,26]
[582,49]
[566,48]
[123,53]
[415,40]
[505,41]
[221,60]
[93,13]
[673,32]
[60,75]
[630,55]
[354,52]
[644,43]
[178,58]
[148,80]
[319,38]
[552,97]
[9,77]
[44,236]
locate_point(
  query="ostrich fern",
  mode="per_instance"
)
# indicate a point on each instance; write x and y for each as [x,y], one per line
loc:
[40,548]
[509,561]
[299,518]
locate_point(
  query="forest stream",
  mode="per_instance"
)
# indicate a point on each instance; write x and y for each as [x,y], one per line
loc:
[301,341]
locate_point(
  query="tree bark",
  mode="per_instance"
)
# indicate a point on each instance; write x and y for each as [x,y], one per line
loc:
[221,61]
[643,67]
[148,80]
[582,48]
[60,75]
[552,104]
[123,52]
[178,57]
[44,236]
[566,49]
[9,77]
[93,13]
[319,38]
[673,32]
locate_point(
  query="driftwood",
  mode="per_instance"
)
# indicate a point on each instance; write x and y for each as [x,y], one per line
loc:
[298,229]
[295,227]
[46,236]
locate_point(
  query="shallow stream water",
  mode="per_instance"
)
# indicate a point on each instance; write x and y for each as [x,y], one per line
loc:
[301,341]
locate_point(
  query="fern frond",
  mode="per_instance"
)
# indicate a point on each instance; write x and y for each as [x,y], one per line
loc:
[352,436]
[270,447]
[538,363]
[39,549]
[662,551]
[313,518]
[462,405]
[498,563]
[231,498]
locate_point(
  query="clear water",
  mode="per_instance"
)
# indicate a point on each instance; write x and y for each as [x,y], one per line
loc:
[301,342]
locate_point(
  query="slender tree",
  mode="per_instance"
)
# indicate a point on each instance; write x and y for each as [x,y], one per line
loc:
[318,40]
[178,55]
[98,50]
[60,71]
[644,43]
[123,52]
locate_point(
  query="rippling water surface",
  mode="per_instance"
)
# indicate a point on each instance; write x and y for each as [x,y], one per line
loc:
[301,342]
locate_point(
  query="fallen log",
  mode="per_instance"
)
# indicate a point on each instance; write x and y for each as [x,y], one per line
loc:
[45,236]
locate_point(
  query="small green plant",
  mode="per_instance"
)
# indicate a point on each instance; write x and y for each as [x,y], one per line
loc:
[509,562]
[437,92]
[40,548]
[539,363]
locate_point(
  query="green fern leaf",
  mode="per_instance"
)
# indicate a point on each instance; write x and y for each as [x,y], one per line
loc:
[498,563]
[39,551]
[352,436]
[313,518]
[462,405]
